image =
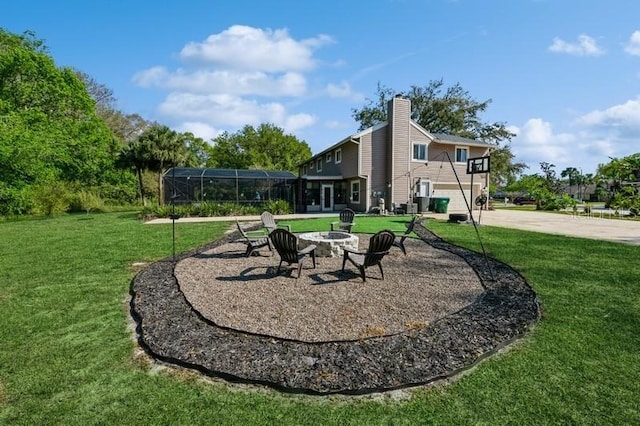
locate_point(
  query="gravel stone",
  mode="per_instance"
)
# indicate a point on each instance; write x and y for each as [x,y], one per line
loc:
[438,311]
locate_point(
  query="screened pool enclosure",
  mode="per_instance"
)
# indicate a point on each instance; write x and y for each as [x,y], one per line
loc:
[191,185]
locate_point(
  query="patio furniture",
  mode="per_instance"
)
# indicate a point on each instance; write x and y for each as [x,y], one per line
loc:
[346,221]
[286,245]
[269,222]
[379,246]
[399,241]
[253,241]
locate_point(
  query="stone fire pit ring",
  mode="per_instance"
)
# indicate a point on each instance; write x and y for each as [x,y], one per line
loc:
[329,244]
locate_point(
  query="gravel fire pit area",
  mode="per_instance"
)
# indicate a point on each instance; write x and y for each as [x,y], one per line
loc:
[438,311]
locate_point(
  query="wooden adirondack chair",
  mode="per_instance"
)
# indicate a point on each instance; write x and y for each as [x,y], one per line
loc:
[269,222]
[379,246]
[346,221]
[286,245]
[399,241]
[253,242]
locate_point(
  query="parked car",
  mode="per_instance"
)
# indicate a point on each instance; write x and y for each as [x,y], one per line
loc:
[499,195]
[523,199]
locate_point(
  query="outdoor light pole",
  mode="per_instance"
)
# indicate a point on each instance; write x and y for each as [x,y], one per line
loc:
[173,215]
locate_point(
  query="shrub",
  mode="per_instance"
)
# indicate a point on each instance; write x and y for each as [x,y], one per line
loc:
[51,198]
[14,201]
[277,207]
[86,201]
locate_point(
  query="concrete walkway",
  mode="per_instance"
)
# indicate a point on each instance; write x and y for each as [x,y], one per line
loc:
[595,227]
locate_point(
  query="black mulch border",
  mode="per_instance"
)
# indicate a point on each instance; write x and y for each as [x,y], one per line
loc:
[170,330]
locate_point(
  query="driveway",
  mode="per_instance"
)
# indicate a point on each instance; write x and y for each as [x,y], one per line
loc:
[596,227]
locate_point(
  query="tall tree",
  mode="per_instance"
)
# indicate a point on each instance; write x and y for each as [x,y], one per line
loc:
[198,151]
[127,127]
[100,93]
[452,111]
[571,173]
[166,148]
[552,182]
[504,170]
[622,175]
[266,147]
[137,155]
[49,129]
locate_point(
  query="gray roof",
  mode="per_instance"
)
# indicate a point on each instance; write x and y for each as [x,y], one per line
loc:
[458,139]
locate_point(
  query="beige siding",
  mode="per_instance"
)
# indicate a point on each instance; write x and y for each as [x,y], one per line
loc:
[400,147]
[378,173]
[456,198]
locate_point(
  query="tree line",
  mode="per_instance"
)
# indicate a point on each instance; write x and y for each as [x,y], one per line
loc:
[65,145]
[64,142]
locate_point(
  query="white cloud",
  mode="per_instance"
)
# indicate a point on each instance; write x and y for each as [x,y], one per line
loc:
[234,112]
[625,118]
[297,122]
[202,130]
[633,47]
[343,90]
[221,110]
[236,78]
[586,46]
[536,142]
[154,76]
[227,82]
[245,48]
[596,136]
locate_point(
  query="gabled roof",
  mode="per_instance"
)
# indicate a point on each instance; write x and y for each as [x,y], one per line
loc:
[436,137]
[353,138]
[458,140]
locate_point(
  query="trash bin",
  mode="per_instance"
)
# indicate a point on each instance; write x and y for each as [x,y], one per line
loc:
[423,204]
[432,204]
[441,204]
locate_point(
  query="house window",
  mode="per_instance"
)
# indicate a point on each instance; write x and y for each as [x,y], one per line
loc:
[462,154]
[355,191]
[339,156]
[419,151]
[328,157]
[304,170]
[319,165]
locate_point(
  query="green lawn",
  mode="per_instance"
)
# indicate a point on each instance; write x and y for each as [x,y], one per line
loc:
[67,355]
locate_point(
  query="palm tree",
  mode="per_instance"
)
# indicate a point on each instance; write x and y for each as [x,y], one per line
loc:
[166,148]
[136,154]
[572,173]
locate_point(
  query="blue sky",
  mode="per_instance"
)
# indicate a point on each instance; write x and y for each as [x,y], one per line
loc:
[562,74]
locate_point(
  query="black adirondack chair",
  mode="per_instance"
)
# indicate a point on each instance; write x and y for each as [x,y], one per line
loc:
[346,221]
[379,246]
[253,241]
[399,241]
[286,245]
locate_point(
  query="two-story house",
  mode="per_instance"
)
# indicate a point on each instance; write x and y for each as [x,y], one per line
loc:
[397,160]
